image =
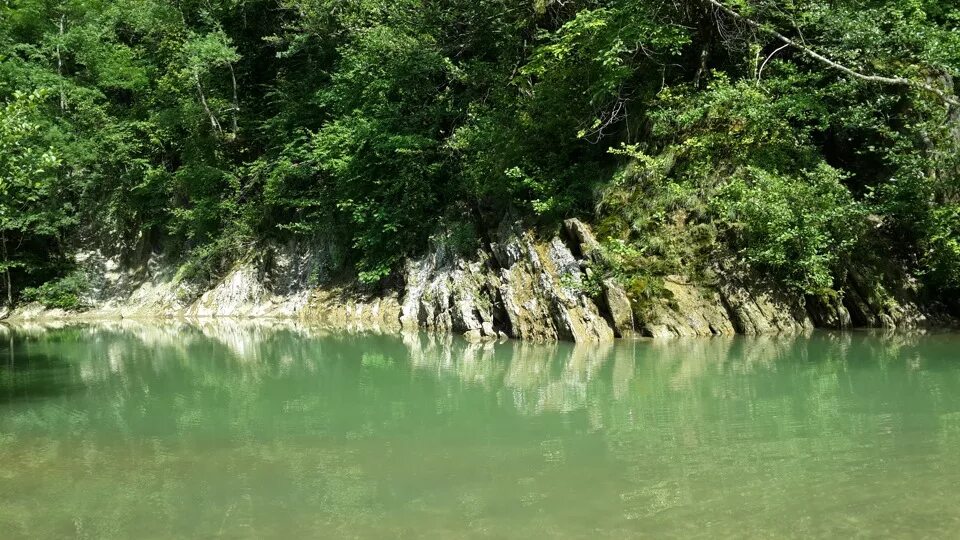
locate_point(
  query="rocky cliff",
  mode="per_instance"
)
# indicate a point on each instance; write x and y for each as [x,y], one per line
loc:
[519,285]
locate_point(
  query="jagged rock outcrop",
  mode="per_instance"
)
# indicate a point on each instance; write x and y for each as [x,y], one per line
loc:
[579,232]
[756,307]
[619,308]
[829,312]
[870,303]
[447,292]
[344,308]
[519,288]
[745,304]
[518,285]
[542,290]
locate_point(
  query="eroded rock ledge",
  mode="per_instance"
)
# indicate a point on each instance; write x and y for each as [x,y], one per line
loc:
[518,286]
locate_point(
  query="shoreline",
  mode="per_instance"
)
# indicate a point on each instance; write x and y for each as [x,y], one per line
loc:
[65,319]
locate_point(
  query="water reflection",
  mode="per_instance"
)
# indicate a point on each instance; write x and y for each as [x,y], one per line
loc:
[282,429]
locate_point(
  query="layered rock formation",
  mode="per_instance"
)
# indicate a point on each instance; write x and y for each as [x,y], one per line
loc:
[518,286]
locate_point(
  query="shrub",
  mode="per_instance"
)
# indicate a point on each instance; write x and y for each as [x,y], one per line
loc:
[798,228]
[65,293]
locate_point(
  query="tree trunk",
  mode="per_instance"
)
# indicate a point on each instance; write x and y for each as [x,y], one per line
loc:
[705,36]
[6,269]
[702,66]
[63,93]
[236,100]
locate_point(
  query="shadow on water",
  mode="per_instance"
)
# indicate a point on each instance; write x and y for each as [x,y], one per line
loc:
[27,374]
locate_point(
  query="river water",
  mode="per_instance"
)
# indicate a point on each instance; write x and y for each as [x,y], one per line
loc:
[258,431]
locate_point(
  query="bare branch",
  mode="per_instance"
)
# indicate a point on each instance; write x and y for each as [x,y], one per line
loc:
[894,81]
[770,57]
[236,100]
[206,107]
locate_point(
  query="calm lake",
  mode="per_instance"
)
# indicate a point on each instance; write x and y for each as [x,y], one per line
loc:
[250,431]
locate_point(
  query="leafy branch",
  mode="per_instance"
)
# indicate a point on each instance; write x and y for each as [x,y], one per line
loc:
[893,81]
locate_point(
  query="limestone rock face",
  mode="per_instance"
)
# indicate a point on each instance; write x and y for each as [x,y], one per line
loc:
[619,307]
[542,291]
[870,304]
[517,285]
[341,308]
[829,313]
[731,307]
[586,244]
[521,288]
[449,293]
[761,309]
[690,311]
[241,293]
[544,288]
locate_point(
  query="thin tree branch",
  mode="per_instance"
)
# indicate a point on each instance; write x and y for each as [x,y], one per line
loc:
[6,268]
[63,94]
[236,100]
[894,81]
[770,57]
[203,101]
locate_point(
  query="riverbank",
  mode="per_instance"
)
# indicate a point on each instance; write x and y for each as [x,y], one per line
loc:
[518,285]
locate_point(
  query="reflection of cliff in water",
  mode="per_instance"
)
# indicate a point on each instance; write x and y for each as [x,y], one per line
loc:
[352,427]
[532,378]
[262,370]
[677,396]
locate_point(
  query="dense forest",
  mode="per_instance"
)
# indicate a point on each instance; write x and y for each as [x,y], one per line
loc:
[791,136]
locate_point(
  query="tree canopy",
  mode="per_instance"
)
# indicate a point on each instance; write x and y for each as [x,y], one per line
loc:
[790,136]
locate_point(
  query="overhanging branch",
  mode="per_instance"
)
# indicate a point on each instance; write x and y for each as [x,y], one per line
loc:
[894,81]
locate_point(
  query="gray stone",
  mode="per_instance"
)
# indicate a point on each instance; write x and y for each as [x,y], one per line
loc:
[522,286]
[587,245]
[619,308]
[689,311]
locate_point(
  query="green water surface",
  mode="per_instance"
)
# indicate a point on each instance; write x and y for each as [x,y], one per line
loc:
[250,431]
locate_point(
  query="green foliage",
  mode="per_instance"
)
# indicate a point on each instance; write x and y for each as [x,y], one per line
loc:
[942,256]
[208,260]
[801,228]
[29,210]
[689,137]
[458,237]
[65,293]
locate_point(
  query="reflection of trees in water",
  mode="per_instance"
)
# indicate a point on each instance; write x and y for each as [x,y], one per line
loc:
[283,411]
[39,378]
[242,361]
[28,373]
[163,407]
